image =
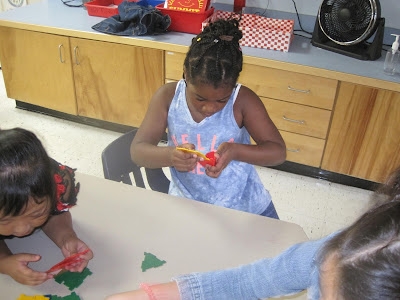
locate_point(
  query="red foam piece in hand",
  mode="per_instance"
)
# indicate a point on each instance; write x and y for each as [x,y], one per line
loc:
[211,161]
[68,261]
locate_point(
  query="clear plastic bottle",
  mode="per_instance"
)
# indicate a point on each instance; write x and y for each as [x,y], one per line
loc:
[392,57]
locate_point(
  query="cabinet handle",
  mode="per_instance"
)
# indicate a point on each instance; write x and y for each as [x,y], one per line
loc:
[60,52]
[292,120]
[296,90]
[293,150]
[76,55]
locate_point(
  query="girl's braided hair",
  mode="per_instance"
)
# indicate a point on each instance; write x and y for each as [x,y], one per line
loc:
[215,56]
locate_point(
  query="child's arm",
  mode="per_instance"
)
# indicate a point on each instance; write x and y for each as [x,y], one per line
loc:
[270,149]
[16,266]
[59,230]
[144,149]
[289,272]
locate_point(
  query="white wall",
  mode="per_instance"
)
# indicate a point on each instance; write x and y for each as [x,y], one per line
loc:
[390,8]
[8,4]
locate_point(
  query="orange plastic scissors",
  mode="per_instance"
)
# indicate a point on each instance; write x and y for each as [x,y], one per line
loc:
[198,153]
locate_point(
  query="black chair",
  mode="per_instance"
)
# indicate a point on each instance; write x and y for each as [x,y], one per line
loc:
[117,165]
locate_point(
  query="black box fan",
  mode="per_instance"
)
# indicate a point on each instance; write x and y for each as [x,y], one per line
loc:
[344,26]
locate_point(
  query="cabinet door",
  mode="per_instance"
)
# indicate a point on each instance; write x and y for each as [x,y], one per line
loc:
[115,82]
[37,68]
[364,139]
[174,65]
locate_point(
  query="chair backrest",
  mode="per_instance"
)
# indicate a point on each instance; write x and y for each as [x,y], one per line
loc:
[117,165]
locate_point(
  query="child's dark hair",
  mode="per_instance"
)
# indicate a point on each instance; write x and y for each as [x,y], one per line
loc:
[215,56]
[25,171]
[391,189]
[367,254]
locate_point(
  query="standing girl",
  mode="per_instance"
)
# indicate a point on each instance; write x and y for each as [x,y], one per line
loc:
[35,192]
[208,111]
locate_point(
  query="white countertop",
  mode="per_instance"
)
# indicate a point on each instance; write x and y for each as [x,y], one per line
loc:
[120,222]
[53,14]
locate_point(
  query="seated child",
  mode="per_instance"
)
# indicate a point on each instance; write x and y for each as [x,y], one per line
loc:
[361,262]
[35,192]
[208,111]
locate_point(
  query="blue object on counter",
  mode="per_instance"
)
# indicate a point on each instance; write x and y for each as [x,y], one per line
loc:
[154,2]
[135,18]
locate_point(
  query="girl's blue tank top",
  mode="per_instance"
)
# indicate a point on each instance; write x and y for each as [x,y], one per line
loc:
[238,186]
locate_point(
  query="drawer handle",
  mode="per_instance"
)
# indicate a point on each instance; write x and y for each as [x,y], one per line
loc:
[292,120]
[60,52]
[76,55]
[293,150]
[296,90]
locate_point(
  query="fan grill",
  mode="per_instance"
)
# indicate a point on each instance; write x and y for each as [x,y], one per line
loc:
[348,22]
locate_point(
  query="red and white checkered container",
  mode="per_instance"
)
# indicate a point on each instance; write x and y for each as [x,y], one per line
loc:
[259,32]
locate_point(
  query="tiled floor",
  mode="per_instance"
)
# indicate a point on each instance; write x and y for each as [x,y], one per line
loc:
[320,207]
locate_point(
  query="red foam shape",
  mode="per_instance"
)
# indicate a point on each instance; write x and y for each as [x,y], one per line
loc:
[68,261]
[211,161]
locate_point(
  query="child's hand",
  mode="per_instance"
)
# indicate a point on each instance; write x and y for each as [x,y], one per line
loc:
[72,246]
[16,266]
[223,157]
[182,161]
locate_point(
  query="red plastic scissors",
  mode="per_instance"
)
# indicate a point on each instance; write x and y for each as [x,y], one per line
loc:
[73,259]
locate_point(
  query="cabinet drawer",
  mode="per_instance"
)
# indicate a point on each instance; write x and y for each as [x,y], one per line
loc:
[303,149]
[298,118]
[289,86]
[174,65]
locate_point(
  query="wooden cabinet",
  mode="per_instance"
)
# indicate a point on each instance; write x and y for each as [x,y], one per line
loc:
[174,65]
[37,69]
[298,118]
[303,149]
[100,80]
[364,139]
[299,105]
[115,82]
[344,128]
[289,86]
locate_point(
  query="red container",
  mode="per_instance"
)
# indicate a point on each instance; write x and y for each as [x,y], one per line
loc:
[103,8]
[181,21]
[108,8]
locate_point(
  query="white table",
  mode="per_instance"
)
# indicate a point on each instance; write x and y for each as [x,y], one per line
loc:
[120,222]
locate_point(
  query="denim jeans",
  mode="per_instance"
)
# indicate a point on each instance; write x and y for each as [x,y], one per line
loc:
[134,18]
[270,212]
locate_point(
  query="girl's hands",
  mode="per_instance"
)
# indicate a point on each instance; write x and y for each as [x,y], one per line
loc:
[182,161]
[73,245]
[223,156]
[16,266]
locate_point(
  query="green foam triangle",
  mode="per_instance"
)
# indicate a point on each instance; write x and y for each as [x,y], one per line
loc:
[151,261]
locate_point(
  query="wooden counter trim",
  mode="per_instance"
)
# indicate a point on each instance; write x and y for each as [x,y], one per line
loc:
[371,82]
